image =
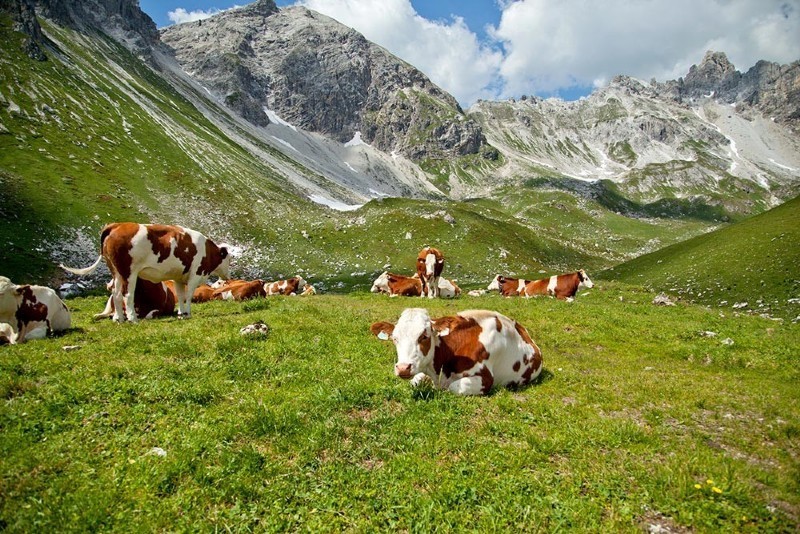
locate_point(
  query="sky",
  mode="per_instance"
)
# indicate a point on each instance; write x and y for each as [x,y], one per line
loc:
[499,49]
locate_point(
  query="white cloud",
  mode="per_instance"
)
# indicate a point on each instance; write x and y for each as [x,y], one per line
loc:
[552,44]
[180,15]
[447,52]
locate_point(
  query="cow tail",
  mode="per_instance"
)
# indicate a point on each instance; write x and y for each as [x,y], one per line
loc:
[85,270]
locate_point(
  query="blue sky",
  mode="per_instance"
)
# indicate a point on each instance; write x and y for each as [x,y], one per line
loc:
[497,49]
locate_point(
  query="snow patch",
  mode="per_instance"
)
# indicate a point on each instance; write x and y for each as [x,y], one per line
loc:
[355,141]
[333,204]
[273,118]
[350,167]
[281,141]
[792,169]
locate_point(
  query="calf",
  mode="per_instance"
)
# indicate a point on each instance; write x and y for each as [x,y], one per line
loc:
[292,286]
[397,285]
[561,286]
[156,252]
[150,299]
[508,287]
[30,311]
[430,264]
[467,353]
[242,290]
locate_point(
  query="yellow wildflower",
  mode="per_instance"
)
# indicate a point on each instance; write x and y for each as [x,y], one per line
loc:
[716,490]
[698,486]
[709,482]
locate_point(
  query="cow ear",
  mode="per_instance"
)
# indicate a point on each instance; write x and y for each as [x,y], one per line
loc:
[382,330]
[223,251]
[441,327]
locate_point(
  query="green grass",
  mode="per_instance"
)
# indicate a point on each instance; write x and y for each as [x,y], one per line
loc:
[753,261]
[308,429]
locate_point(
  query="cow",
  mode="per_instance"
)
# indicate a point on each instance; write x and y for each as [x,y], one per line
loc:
[508,287]
[157,252]
[308,290]
[466,353]
[203,293]
[430,264]
[448,289]
[397,285]
[30,312]
[292,286]
[561,286]
[151,299]
[243,290]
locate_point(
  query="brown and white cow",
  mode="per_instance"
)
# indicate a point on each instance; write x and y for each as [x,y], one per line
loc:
[242,290]
[430,264]
[203,293]
[157,252]
[151,299]
[508,287]
[561,286]
[467,353]
[292,286]
[30,311]
[397,285]
[308,290]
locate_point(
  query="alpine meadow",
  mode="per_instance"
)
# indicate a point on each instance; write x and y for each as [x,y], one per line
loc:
[668,399]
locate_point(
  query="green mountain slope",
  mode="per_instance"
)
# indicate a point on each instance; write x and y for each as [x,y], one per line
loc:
[753,261]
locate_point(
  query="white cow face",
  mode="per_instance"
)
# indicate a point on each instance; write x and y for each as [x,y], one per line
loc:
[414,340]
[430,262]
[381,284]
[585,281]
[495,284]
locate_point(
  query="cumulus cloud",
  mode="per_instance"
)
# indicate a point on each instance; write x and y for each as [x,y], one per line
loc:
[180,15]
[448,52]
[553,44]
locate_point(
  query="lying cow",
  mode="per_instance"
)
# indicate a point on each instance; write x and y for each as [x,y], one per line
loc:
[242,290]
[151,299]
[292,286]
[204,293]
[397,285]
[157,252]
[31,312]
[308,290]
[508,287]
[467,353]
[430,264]
[561,286]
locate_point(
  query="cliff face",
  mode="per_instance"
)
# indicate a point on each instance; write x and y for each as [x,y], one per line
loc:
[323,77]
[768,88]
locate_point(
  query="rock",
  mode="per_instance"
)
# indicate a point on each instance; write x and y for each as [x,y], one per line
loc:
[257,329]
[663,300]
[476,292]
[727,341]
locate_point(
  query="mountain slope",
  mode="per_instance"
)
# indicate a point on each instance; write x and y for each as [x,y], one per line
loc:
[753,261]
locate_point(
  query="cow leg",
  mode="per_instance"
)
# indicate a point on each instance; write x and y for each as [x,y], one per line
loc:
[181,293]
[130,303]
[471,385]
[191,287]
[116,295]
[433,288]
[424,291]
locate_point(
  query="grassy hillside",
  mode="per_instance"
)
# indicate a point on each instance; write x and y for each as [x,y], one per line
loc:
[753,261]
[639,421]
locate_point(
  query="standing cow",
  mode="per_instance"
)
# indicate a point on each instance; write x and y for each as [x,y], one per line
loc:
[430,264]
[30,312]
[157,252]
[467,353]
[560,286]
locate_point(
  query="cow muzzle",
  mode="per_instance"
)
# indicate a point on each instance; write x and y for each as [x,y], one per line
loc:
[403,370]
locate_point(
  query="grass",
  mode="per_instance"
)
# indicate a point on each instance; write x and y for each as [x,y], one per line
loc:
[308,429]
[752,261]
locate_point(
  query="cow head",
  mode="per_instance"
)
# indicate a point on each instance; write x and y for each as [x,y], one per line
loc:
[7,291]
[224,268]
[585,281]
[381,284]
[496,284]
[414,338]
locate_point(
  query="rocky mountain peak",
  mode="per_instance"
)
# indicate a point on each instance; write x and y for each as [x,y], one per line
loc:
[714,69]
[322,76]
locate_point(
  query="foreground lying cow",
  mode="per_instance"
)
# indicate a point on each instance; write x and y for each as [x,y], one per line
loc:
[157,252]
[30,311]
[467,353]
[561,286]
[508,287]
[430,264]
[151,299]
